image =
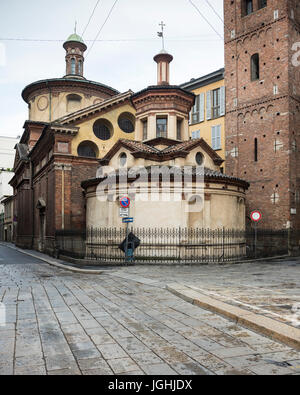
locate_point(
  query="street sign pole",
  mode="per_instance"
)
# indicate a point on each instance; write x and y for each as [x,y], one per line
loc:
[255,240]
[256,216]
[127,233]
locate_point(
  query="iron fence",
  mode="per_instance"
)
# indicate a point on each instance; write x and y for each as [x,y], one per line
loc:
[173,246]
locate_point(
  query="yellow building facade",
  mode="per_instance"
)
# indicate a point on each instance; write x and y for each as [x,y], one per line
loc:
[207,118]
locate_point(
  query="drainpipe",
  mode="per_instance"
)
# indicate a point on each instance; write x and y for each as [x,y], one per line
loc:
[63,197]
[32,202]
[50,102]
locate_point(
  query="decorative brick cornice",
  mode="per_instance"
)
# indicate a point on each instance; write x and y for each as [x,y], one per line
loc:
[258,29]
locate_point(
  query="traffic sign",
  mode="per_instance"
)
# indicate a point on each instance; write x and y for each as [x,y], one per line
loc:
[127,220]
[124,212]
[125,202]
[256,216]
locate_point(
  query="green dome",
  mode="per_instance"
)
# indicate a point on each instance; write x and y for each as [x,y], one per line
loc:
[75,37]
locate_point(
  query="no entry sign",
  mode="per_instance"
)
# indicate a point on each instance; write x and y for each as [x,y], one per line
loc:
[256,216]
[125,202]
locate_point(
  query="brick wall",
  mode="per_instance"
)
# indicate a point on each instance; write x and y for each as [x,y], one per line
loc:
[255,112]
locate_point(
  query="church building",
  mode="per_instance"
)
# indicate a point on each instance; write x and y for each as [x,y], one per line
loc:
[162,143]
[77,127]
[72,123]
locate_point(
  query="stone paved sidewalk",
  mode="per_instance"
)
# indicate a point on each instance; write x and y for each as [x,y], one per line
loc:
[268,288]
[121,322]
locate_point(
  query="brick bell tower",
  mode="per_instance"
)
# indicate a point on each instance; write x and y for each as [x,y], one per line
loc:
[262,77]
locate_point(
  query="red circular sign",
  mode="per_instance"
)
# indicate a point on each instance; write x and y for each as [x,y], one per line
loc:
[256,216]
[125,202]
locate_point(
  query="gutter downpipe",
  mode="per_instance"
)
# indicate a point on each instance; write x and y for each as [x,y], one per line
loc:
[32,202]
[63,197]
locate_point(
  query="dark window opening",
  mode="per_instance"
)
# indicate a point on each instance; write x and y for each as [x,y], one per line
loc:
[73,66]
[216,104]
[255,150]
[123,159]
[199,158]
[145,129]
[262,4]
[102,130]
[247,7]
[87,149]
[161,127]
[179,127]
[255,67]
[126,123]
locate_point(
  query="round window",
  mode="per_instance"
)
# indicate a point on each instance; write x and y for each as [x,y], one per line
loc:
[123,159]
[199,158]
[102,129]
[126,122]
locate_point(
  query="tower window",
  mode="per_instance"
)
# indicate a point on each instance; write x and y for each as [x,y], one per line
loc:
[255,67]
[73,66]
[179,127]
[247,7]
[80,67]
[145,129]
[262,4]
[255,150]
[161,127]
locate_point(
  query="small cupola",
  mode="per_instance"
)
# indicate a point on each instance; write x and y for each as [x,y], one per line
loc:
[163,60]
[75,48]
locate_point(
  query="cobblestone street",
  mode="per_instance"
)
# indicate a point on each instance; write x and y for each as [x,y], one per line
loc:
[124,322]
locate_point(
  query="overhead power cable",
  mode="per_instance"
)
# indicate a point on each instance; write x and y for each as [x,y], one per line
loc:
[206,20]
[188,38]
[101,28]
[89,21]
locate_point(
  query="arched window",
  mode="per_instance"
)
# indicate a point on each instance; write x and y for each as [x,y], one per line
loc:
[255,67]
[87,149]
[80,67]
[73,102]
[123,159]
[73,66]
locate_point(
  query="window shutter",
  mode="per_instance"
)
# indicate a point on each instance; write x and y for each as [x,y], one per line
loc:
[201,104]
[208,105]
[222,101]
[213,137]
[218,136]
[196,109]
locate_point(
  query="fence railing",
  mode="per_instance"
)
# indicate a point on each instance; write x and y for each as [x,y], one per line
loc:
[162,245]
[171,246]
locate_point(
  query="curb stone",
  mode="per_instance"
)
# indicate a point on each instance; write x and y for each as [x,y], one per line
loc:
[264,325]
[56,264]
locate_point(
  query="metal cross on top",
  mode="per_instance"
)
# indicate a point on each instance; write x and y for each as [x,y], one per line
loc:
[161,34]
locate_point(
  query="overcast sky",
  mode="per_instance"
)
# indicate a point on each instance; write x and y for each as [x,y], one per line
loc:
[124,64]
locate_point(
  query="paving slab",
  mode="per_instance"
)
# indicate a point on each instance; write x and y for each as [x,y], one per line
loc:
[130,324]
